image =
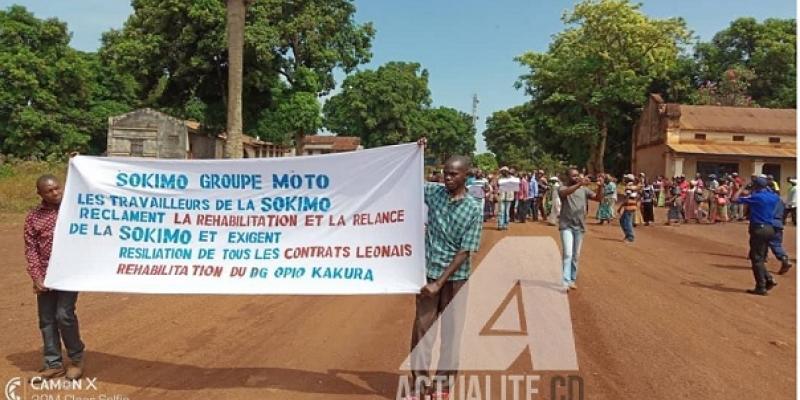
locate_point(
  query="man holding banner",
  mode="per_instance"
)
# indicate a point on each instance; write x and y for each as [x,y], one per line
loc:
[453,234]
[57,319]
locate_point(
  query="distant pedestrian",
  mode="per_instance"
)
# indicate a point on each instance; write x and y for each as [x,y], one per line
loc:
[512,209]
[541,200]
[762,203]
[533,196]
[690,202]
[627,212]
[659,186]
[675,202]
[719,203]
[478,187]
[522,198]
[791,202]
[736,210]
[605,211]
[572,222]
[508,186]
[701,204]
[648,204]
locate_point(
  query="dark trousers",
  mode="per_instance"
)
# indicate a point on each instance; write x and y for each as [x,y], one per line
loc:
[522,210]
[512,211]
[533,210]
[58,322]
[760,235]
[648,214]
[428,310]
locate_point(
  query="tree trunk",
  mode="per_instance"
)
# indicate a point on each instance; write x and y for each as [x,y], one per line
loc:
[235,31]
[298,143]
[598,151]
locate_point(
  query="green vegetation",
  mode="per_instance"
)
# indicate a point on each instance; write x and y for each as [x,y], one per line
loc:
[588,88]
[18,183]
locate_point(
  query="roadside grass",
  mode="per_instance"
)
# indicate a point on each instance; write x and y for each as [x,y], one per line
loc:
[18,185]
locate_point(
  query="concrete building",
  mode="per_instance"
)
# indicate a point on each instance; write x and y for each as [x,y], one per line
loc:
[257,148]
[325,144]
[149,133]
[677,139]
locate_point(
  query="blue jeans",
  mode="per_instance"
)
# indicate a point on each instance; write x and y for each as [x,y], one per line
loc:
[626,222]
[571,240]
[502,219]
[776,245]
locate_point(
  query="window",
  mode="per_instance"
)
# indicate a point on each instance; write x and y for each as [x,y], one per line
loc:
[774,140]
[137,147]
[699,136]
[738,138]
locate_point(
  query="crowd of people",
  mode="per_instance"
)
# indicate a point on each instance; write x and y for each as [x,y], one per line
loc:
[508,195]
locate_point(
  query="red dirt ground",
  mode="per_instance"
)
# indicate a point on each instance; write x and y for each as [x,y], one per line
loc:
[664,318]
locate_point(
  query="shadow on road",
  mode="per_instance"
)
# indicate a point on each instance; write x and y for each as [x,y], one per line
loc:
[713,286]
[734,267]
[171,376]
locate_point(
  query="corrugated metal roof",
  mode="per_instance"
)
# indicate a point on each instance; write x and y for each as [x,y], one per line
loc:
[738,119]
[193,125]
[736,150]
[338,143]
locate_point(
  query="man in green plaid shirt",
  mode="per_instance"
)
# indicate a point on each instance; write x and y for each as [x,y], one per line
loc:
[455,221]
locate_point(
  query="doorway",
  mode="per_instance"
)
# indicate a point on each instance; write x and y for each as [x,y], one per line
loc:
[774,170]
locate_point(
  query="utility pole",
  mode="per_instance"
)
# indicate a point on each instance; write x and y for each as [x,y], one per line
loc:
[475,102]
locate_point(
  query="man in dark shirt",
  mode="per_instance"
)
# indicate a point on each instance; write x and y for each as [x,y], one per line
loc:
[57,319]
[761,202]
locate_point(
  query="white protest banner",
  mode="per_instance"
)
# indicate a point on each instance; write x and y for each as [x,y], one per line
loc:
[510,184]
[348,223]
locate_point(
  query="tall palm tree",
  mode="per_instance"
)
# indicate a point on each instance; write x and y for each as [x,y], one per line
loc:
[235,33]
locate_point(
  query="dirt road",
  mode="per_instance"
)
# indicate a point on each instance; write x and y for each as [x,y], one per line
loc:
[664,318]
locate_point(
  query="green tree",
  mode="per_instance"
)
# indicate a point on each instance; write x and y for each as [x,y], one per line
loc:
[176,50]
[382,106]
[297,112]
[111,93]
[507,137]
[487,162]
[767,49]
[599,66]
[45,87]
[449,132]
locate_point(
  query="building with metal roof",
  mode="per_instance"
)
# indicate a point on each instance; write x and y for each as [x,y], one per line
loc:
[677,139]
